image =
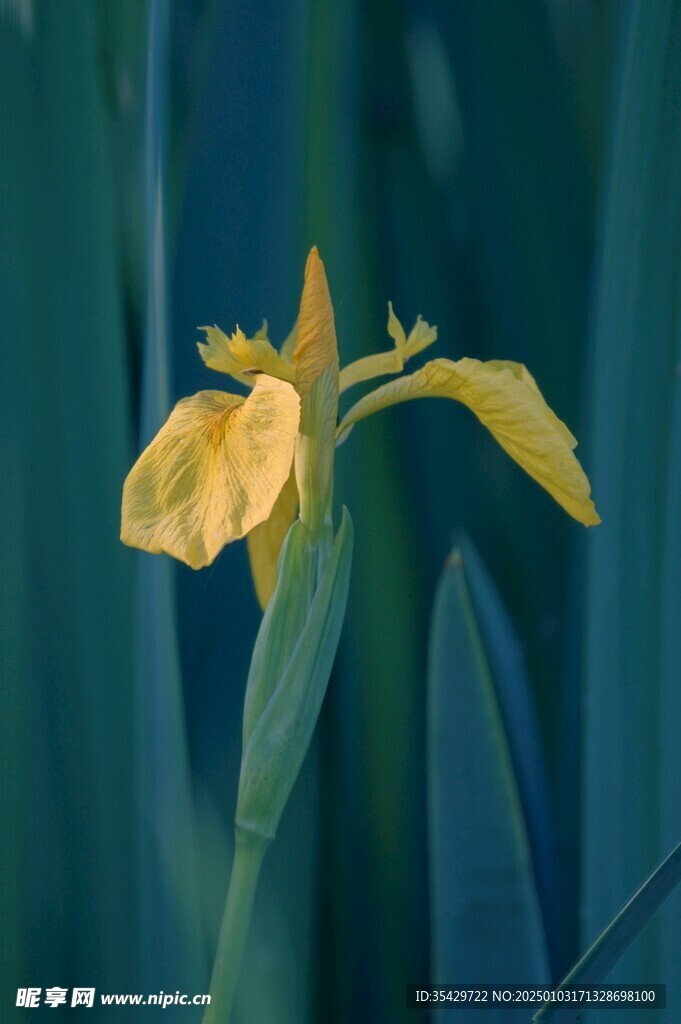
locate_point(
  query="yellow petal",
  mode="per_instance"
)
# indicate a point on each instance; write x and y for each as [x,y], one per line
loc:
[212,473]
[316,346]
[396,330]
[505,398]
[522,373]
[265,540]
[421,336]
[369,367]
[241,357]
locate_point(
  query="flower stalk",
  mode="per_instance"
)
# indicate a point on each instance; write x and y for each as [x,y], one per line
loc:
[249,851]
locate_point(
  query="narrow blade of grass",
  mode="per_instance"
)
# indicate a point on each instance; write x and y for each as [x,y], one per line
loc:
[593,968]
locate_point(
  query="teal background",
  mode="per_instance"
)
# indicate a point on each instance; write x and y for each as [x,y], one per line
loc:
[510,171]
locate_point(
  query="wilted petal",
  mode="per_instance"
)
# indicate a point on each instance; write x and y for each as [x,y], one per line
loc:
[242,357]
[212,473]
[265,540]
[421,336]
[316,334]
[382,363]
[506,399]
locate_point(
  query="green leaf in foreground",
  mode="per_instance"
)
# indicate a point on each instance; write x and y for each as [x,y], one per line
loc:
[485,917]
[602,956]
[515,698]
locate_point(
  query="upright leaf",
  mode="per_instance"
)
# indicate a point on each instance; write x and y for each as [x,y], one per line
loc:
[633,702]
[65,451]
[168,873]
[485,917]
[518,715]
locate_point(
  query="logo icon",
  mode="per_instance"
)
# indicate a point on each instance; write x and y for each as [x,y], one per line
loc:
[82,997]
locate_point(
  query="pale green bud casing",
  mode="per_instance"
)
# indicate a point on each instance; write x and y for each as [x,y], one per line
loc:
[290,670]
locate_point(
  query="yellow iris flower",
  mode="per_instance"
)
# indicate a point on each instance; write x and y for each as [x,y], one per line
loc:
[224,466]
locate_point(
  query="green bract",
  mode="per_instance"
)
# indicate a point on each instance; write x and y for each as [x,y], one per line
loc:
[290,671]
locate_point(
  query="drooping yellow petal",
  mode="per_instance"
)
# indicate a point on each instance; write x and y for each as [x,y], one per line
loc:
[316,335]
[506,399]
[382,363]
[212,473]
[265,540]
[520,371]
[243,357]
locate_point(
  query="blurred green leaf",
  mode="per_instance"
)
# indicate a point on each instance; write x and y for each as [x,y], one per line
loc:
[375,714]
[633,701]
[486,920]
[66,388]
[528,205]
[169,913]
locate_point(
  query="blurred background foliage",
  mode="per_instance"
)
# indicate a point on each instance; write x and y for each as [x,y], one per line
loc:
[512,172]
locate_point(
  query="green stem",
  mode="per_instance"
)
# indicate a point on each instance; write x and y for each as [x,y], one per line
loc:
[249,851]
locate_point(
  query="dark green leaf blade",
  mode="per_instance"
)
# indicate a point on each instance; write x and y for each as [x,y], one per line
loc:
[632,811]
[518,713]
[485,918]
